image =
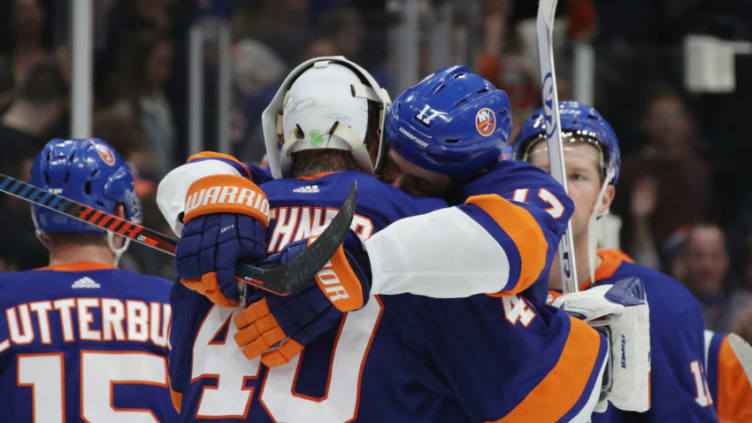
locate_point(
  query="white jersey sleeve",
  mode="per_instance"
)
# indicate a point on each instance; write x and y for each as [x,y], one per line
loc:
[412,255]
[174,186]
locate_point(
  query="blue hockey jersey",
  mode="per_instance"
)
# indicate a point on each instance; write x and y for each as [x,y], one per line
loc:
[678,376]
[402,358]
[84,342]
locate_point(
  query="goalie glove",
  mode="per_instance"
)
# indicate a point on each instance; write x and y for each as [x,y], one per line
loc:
[297,319]
[620,310]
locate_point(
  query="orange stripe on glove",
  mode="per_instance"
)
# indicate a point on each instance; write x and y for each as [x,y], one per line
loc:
[226,194]
[338,282]
[208,286]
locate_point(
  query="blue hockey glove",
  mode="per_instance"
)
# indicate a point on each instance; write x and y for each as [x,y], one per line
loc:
[341,285]
[225,220]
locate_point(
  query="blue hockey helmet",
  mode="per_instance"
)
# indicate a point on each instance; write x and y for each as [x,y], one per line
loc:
[578,122]
[89,171]
[451,122]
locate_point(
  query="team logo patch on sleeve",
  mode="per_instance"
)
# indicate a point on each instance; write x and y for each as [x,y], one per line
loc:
[106,154]
[485,121]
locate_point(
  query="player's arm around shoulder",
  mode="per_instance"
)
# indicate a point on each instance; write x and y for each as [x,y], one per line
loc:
[489,245]
[528,219]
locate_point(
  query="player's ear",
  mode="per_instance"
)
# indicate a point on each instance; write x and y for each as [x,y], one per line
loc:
[608,198]
[120,211]
[44,239]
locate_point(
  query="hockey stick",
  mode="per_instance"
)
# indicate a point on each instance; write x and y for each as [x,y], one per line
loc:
[281,280]
[544,27]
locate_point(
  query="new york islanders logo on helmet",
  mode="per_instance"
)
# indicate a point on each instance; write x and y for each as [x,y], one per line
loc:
[485,121]
[106,154]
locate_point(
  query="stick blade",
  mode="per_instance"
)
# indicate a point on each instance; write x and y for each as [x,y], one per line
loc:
[293,275]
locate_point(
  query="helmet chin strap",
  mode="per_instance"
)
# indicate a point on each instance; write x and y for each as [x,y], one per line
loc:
[594,216]
[118,252]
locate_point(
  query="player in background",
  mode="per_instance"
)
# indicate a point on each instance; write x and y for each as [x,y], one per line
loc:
[398,357]
[729,375]
[591,151]
[81,340]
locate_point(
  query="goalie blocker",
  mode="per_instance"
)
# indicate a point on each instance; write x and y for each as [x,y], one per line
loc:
[620,310]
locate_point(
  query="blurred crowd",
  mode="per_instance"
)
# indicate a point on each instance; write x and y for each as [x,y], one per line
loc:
[682,199]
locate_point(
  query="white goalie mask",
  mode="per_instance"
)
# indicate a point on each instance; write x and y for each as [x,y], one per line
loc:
[323,104]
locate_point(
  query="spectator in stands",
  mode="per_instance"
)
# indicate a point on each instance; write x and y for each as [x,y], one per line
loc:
[26,37]
[136,92]
[126,137]
[24,128]
[37,107]
[667,183]
[129,16]
[257,72]
[343,26]
[707,276]
[283,25]
[7,84]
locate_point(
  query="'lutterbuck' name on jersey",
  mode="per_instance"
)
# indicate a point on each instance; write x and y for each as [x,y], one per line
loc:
[75,319]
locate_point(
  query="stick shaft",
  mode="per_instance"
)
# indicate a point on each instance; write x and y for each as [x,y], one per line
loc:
[550,98]
[87,214]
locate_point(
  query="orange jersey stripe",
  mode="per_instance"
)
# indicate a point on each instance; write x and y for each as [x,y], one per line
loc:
[80,266]
[524,231]
[563,386]
[612,259]
[734,390]
[315,176]
[215,155]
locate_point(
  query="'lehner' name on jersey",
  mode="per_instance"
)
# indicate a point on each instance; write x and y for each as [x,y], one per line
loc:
[297,222]
[87,319]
